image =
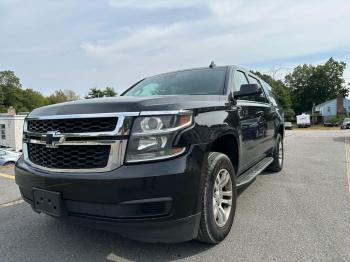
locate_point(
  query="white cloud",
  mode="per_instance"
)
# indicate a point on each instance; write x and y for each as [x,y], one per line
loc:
[236,32]
[92,43]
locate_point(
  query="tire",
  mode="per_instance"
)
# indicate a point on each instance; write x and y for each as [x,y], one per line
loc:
[212,228]
[278,160]
[9,164]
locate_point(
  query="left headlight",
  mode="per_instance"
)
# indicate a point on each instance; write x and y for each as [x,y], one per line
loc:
[152,136]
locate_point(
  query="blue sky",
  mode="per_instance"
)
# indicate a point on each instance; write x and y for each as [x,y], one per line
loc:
[82,44]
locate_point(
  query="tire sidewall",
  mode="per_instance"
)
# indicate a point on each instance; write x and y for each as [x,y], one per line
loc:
[279,143]
[220,162]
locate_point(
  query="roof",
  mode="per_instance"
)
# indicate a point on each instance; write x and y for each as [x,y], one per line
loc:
[324,103]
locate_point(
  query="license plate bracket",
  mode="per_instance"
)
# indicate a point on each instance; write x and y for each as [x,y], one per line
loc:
[48,202]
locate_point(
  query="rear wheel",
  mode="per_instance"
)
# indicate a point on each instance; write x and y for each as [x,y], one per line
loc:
[278,156]
[219,199]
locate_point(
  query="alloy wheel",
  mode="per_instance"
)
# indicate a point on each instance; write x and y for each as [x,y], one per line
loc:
[222,197]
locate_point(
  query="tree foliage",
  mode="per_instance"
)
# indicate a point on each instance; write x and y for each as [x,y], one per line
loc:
[25,100]
[306,85]
[98,93]
[282,93]
[279,89]
[109,92]
[316,84]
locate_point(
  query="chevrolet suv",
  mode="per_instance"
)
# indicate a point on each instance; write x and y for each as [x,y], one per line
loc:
[160,163]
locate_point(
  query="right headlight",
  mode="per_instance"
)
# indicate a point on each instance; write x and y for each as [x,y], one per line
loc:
[152,136]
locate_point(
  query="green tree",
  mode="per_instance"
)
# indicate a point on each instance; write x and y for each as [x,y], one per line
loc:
[279,89]
[316,84]
[10,89]
[31,99]
[95,93]
[57,97]
[12,94]
[9,79]
[109,92]
[98,93]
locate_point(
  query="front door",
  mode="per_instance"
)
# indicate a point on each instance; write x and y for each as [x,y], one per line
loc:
[254,117]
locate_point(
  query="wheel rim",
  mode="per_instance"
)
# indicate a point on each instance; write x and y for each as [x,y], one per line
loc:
[280,153]
[222,197]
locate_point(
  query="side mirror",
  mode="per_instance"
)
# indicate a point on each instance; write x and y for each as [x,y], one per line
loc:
[248,90]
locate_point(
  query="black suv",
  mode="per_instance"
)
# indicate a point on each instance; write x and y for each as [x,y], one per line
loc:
[160,163]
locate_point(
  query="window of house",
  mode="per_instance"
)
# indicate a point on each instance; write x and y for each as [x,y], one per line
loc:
[2,131]
[329,109]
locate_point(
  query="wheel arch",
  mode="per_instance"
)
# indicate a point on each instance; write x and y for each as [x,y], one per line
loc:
[281,130]
[228,145]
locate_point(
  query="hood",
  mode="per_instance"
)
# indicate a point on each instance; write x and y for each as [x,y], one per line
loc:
[131,104]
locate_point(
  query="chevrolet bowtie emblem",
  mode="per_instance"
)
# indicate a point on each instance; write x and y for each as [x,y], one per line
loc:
[53,139]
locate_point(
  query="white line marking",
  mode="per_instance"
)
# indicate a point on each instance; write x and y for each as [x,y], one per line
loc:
[12,203]
[347,155]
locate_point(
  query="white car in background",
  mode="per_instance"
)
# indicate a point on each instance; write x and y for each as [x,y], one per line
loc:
[8,157]
[345,124]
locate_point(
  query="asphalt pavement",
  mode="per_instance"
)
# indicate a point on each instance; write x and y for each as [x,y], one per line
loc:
[299,214]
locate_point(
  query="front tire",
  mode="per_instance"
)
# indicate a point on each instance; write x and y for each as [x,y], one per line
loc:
[278,156]
[7,164]
[219,199]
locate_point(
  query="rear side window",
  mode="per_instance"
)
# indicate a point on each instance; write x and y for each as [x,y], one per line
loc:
[258,98]
[240,79]
[271,95]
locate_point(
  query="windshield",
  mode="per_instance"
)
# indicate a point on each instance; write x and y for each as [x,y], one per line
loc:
[346,119]
[191,82]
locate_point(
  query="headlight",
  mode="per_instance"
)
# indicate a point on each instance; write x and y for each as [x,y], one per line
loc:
[152,137]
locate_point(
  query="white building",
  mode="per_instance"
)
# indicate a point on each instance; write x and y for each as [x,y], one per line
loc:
[11,130]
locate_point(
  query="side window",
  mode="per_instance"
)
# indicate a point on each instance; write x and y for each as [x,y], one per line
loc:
[148,90]
[270,94]
[240,79]
[258,98]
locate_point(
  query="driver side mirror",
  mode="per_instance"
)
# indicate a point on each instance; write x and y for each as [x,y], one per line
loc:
[247,90]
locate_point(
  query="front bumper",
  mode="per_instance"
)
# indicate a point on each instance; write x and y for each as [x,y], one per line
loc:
[154,202]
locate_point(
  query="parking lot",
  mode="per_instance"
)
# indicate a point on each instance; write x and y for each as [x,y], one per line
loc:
[299,214]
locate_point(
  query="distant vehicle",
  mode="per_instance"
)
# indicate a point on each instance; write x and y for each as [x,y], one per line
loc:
[303,120]
[345,124]
[8,157]
[330,124]
[288,125]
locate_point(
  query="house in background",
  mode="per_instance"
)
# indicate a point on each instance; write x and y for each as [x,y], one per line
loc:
[11,129]
[330,109]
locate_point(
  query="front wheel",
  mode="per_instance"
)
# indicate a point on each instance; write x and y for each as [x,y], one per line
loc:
[278,156]
[219,199]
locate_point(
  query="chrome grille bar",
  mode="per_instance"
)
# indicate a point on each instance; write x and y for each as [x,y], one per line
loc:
[117,139]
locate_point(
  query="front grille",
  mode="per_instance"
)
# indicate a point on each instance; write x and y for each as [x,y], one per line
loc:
[69,157]
[78,125]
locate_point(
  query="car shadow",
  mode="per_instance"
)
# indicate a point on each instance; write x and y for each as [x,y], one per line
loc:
[71,242]
[110,246]
[88,244]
